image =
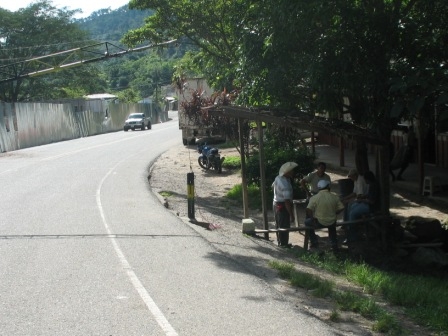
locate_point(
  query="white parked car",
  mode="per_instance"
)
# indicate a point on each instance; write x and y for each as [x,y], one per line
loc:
[137,120]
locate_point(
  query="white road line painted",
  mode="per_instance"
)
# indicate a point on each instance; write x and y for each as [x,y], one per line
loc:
[155,311]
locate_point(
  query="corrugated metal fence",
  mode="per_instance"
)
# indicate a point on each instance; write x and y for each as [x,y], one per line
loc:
[25,125]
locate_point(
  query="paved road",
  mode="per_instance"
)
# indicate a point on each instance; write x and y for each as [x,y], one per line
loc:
[87,249]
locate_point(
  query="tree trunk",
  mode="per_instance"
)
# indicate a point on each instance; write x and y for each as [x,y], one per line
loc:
[383,164]
[361,157]
[382,170]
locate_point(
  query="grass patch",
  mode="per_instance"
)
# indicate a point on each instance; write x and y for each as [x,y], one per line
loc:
[335,316]
[425,299]
[166,194]
[253,194]
[351,302]
[348,301]
[229,144]
[318,287]
[232,162]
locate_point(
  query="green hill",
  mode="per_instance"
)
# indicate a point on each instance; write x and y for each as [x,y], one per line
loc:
[110,25]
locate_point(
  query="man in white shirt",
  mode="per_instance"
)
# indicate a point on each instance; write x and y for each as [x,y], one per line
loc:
[283,205]
[360,187]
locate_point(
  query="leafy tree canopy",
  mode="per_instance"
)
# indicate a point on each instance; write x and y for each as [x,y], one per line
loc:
[212,26]
[379,60]
[37,30]
[42,30]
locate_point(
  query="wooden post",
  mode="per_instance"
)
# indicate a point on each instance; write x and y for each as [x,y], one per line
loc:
[263,178]
[190,194]
[341,152]
[313,143]
[243,169]
[421,163]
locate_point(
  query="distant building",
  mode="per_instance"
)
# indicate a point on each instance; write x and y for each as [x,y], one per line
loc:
[171,103]
[101,96]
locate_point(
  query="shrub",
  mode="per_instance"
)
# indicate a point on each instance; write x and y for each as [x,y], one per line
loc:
[232,162]
[276,153]
[253,195]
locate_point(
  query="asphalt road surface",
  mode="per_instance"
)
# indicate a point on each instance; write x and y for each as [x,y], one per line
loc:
[87,249]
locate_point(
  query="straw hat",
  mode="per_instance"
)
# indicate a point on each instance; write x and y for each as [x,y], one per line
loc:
[287,167]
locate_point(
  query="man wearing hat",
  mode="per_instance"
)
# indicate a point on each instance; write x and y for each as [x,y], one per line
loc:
[282,205]
[322,211]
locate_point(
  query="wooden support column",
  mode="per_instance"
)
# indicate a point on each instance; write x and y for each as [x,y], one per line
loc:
[313,143]
[243,169]
[341,152]
[263,178]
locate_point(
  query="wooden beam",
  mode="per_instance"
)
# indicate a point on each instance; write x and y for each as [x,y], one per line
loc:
[300,120]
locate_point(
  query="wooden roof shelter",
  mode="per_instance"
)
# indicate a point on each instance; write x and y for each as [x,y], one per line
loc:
[294,119]
[301,120]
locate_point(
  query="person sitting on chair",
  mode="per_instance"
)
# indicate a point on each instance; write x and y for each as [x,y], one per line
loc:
[322,211]
[363,205]
[360,187]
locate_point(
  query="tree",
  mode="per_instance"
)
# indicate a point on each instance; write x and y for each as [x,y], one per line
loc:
[37,30]
[378,60]
[381,61]
[213,26]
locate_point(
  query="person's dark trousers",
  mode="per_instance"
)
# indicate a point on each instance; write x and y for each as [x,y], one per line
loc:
[406,161]
[332,235]
[282,220]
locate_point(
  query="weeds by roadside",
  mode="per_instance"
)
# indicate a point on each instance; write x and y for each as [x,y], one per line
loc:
[424,299]
[382,320]
[232,163]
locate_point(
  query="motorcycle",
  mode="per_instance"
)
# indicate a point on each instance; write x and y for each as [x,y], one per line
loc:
[210,158]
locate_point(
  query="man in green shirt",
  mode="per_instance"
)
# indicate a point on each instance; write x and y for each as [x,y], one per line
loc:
[309,182]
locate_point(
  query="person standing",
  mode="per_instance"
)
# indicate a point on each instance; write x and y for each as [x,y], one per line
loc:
[282,203]
[391,157]
[322,211]
[309,182]
[410,141]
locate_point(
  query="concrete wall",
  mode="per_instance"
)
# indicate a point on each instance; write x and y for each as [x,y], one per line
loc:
[25,125]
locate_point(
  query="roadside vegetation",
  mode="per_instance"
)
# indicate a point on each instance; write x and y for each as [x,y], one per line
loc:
[253,193]
[424,299]
[382,321]
[165,193]
[232,163]
[280,145]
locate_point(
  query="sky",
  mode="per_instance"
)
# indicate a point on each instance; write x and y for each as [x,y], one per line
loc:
[87,6]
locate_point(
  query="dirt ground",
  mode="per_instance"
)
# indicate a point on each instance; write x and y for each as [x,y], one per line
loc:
[210,189]
[168,177]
